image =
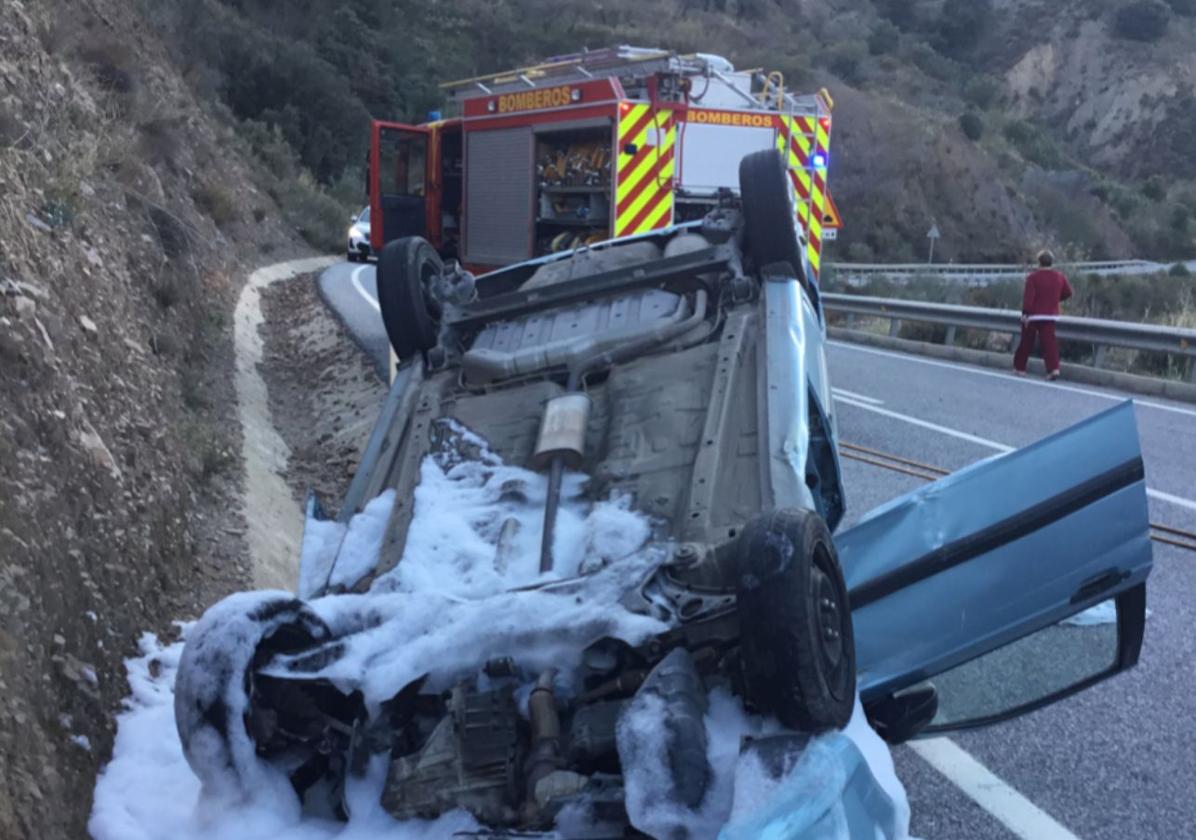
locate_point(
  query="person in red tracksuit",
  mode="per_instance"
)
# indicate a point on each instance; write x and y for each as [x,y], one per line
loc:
[1045,288]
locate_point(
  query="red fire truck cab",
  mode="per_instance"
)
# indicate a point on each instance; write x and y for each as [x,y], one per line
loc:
[587,147]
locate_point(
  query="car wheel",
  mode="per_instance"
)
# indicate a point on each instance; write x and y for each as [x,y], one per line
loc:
[215,681]
[797,645]
[352,257]
[770,220]
[410,314]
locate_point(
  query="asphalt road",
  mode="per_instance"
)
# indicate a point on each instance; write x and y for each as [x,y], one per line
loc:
[1115,761]
[351,293]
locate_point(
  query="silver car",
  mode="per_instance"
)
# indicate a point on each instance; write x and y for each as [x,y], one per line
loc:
[359,237]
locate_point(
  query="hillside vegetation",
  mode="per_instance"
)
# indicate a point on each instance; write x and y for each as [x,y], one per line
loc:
[1013,123]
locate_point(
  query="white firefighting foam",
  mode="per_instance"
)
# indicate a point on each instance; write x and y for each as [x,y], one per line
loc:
[446,609]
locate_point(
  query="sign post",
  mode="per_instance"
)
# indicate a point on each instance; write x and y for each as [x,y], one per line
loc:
[933,234]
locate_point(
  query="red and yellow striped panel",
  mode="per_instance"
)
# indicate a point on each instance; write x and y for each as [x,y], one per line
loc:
[644,184]
[804,143]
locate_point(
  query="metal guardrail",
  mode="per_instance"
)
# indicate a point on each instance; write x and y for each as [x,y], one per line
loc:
[1099,333]
[991,269]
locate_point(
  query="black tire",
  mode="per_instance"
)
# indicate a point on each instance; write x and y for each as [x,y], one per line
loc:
[411,316]
[213,683]
[797,644]
[770,220]
[352,257]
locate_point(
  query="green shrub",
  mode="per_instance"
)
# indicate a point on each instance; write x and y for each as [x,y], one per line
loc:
[113,64]
[1155,188]
[1033,143]
[218,202]
[1180,217]
[902,13]
[160,140]
[971,125]
[884,38]
[961,25]
[1179,270]
[1144,20]
[935,64]
[172,235]
[981,92]
[166,289]
[316,216]
[845,59]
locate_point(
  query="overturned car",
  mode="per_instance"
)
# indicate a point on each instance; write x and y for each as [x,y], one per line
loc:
[601,492]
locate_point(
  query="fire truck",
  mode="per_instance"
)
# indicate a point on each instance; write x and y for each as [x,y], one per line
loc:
[592,146]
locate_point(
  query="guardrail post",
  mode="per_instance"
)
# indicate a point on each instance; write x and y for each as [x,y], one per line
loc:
[950,339]
[1098,356]
[851,320]
[894,327]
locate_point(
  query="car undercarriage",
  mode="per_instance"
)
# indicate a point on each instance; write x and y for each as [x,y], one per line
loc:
[601,493]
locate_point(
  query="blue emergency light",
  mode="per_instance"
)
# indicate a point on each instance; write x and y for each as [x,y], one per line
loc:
[820,161]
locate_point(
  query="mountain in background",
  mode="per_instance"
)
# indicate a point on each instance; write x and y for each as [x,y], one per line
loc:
[1012,123]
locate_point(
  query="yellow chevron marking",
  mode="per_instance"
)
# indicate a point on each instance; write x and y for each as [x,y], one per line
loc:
[654,218]
[628,120]
[628,181]
[649,188]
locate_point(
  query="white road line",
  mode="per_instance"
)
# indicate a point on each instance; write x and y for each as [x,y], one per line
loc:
[905,357]
[989,791]
[991,444]
[355,277]
[853,395]
[926,424]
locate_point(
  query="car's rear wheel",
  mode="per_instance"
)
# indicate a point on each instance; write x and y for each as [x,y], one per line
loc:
[770,220]
[797,644]
[406,269]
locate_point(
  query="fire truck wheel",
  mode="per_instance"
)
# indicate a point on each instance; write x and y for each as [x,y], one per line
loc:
[406,268]
[769,214]
[796,638]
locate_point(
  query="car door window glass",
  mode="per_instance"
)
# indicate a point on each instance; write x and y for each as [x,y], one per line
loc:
[403,162]
[1030,669]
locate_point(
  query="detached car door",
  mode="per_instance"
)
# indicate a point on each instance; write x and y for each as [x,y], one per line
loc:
[973,581]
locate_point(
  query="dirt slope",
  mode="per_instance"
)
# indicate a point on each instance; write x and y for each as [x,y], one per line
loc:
[127,215]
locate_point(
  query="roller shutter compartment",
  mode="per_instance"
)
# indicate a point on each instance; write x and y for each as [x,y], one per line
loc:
[498,196]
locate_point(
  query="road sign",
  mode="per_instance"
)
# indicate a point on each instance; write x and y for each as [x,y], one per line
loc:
[829,234]
[934,232]
[831,220]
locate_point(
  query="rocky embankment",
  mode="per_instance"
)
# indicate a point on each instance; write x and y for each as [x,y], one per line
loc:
[127,222]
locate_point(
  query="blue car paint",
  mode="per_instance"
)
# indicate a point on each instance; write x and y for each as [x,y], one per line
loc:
[1011,589]
[967,610]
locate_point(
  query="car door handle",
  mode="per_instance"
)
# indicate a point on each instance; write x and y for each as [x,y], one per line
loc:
[1101,583]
